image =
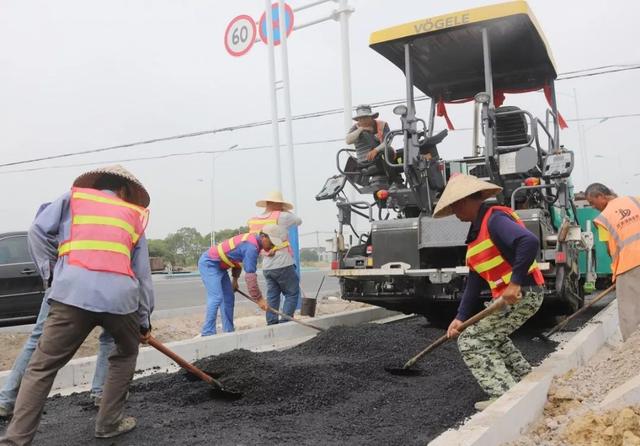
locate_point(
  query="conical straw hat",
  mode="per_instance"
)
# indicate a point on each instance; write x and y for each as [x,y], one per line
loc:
[274,197]
[459,187]
[138,194]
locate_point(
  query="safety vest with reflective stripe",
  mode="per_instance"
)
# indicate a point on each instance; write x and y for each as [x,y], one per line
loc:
[621,218]
[485,259]
[222,250]
[258,222]
[104,230]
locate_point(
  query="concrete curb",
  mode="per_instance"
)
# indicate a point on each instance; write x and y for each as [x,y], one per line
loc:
[512,413]
[79,372]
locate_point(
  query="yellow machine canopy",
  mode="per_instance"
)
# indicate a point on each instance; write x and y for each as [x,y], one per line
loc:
[447,56]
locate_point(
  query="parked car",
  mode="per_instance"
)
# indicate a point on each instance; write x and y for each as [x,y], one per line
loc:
[21,287]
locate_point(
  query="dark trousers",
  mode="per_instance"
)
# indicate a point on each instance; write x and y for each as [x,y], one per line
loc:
[64,331]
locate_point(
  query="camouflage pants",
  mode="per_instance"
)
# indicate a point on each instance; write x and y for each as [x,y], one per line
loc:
[487,350]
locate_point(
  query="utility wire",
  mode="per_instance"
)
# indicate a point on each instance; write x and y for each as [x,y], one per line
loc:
[218,153]
[267,122]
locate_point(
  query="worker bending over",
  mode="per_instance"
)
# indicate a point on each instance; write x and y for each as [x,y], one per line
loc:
[278,266]
[501,253]
[619,226]
[236,253]
[102,277]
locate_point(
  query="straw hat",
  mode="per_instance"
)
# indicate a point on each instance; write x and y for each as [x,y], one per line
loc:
[277,234]
[364,111]
[459,187]
[138,194]
[274,197]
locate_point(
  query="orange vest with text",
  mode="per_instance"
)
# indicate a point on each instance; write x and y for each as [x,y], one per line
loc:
[621,218]
[221,250]
[257,223]
[485,259]
[104,231]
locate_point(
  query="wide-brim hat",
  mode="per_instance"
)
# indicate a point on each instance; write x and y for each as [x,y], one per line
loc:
[276,234]
[364,111]
[462,186]
[274,197]
[137,193]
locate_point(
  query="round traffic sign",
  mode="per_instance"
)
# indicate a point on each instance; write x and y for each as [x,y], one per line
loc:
[240,35]
[275,16]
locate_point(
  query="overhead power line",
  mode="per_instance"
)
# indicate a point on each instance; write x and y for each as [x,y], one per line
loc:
[563,76]
[241,149]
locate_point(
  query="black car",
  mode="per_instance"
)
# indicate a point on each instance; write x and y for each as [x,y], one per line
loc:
[21,288]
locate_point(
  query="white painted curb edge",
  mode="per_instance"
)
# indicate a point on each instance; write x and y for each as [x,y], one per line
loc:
[79,372]
[513,412]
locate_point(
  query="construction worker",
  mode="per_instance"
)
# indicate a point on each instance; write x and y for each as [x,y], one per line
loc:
[501,253]
[94,235]
[278,266]
[237,253]
[619,225]
[367,135]
[9,391]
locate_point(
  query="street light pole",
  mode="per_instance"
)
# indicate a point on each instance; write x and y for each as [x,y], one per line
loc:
[213,192]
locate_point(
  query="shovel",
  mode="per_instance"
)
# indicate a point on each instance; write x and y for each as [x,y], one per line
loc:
[283,315]
[406,370]
[566,320]
[217,389]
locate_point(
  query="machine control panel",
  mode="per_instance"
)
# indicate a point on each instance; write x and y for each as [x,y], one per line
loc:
[558,165]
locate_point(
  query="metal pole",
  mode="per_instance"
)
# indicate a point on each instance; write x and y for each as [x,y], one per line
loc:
[213,196]
[490,146]
[343,12]
[287,102]
[581,140]
[272,94]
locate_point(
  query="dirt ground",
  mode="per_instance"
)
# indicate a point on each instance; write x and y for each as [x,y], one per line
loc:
[170,329]
[330,390]
[572,416]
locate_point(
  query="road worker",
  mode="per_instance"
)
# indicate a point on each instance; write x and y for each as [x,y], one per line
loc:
[501,254]
[91,241]
[619,225]
[9,391]
[235,254]
[278,266]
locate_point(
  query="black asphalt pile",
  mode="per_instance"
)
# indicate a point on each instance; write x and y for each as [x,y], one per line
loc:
[332,389]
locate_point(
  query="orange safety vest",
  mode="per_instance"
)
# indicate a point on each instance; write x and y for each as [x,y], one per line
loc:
[380,124]
[104,230]
[257,223]
[221,250]
[485,259]
[621,218]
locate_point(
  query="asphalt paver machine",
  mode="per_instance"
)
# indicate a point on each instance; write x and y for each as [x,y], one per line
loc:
[410,262]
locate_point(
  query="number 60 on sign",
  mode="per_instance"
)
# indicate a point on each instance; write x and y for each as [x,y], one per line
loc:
[240,35]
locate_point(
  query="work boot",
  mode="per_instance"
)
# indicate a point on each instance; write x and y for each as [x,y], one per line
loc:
[482,405]
[127,424]
[5,412]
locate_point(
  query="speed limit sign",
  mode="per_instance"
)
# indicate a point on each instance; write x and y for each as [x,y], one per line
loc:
[240,35]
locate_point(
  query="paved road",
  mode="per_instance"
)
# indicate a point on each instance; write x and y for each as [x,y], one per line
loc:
[184,292]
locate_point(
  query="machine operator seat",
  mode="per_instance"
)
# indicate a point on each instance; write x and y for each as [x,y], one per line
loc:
[511,129]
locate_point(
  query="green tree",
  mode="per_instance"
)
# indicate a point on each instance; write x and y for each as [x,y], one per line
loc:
[186,244]
[309,255]
[224,234]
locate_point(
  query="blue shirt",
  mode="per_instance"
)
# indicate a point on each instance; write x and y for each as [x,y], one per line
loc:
[97,291]
[516,244]
[244,252]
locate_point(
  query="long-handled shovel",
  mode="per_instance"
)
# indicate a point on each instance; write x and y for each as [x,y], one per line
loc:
[283,315]
[566,320]
[406,370]
[217,389]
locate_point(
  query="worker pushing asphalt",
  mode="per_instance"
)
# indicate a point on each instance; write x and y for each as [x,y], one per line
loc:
[509,198]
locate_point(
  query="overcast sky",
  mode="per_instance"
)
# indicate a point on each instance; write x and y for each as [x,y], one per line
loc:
[78,75]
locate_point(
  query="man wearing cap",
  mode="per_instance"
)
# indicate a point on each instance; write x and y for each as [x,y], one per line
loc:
[619,225]
[91,241]
[501,254]
[278,265]
[367,134]
[235,254]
